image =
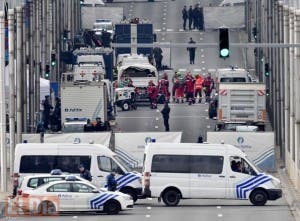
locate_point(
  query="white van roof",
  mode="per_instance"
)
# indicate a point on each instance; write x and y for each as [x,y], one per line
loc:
[61,149]
[178,148]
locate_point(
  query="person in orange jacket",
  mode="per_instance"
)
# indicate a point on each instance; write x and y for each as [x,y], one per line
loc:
[198,87]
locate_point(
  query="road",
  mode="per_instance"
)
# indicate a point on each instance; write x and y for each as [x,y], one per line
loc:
[192,210]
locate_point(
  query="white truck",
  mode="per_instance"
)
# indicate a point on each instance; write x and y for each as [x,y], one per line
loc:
[240,103]
[139,70]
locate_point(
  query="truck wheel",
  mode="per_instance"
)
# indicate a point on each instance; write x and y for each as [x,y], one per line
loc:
[258,198]
[125,106]
[171,197]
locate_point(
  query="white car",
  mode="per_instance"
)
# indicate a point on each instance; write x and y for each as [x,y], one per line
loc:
[34,181]
[72,196]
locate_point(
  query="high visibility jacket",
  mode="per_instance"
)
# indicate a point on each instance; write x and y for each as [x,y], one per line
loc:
[198,83]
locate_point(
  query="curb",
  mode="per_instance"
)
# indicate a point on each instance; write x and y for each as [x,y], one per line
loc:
[291,195]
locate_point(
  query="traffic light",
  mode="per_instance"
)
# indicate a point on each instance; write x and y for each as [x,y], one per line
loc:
[47,71]
[254,32]
[81,1]
[65,35]
[224,42]
[53,59]
[267,70]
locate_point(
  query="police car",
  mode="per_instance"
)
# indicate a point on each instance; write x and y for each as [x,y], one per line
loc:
[34,181]
[71,195]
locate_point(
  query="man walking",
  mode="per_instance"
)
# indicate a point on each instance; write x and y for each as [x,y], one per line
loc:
[158,57]
[184,17]
[192,51]
[166,114]
[190,16]
[111,181]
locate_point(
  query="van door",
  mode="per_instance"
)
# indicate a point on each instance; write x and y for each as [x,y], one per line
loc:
[241,178]
[105,165]
[208,176]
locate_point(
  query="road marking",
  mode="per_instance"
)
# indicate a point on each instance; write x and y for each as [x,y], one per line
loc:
[220,215]
[157,30]
[157,118]
[164,14]
[218,207]
[149,207]
[75,217]
[201,33]
[162,39]
[164,18]
[203,62]
[201,39]
[148,216]
[202,56]
[149,198]
[201,49]
[203,68]
[207,118]
[208,126]
[181,30]
[156,127]
[164,23]
[157,111]
[206,110]
[173,117]
[169,29]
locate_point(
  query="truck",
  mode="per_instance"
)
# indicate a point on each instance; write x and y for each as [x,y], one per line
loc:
[134,31]
[241,103]
[140,71]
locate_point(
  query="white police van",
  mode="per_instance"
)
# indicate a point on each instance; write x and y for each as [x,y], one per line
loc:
[37,158]
[217,171]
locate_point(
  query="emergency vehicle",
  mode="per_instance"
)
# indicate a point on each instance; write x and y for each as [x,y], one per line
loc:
[40,159]
[208,171]
[71,195]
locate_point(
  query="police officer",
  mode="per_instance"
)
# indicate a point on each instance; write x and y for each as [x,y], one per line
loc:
[166,114]
[192,51]
[85,174]
[184,16]
[111,181]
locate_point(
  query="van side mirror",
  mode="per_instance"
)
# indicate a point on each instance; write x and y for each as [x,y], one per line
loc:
[95,191]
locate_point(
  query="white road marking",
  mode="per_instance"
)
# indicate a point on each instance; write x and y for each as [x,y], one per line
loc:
[202,56]
[203,62]
[181,30]
[162,39]
[75,217]
[203,68]
[156,127]
[169,29]
[149,198]
[157,118]
[208,126]
[157,111]
[201,33]
[149,207]
[157,30]
[148,216]
[207,118]
[220,215]
[164,23]
[201,49]
[164,14]
[164,28]
[201,39]
[218,207]
[164,18]
[206,110]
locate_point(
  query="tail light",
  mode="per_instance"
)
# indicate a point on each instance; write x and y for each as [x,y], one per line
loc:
[16,179]
[147,179]
[25,195]
[20,192]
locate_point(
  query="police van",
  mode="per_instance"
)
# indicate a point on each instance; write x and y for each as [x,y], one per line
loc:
[37,158]
[209,171]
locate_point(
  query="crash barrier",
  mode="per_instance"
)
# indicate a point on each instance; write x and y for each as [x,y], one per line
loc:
[259,146]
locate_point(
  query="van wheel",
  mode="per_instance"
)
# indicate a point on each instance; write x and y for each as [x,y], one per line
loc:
[46,208]
[258,197]
[125,106]
[112,207]
[171,197]
[131,193]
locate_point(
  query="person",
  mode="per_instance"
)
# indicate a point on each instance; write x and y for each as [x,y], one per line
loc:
[152,92]
[166,114]
[200,19]
[57,114]
[180,89]
[195,17]
[234,167]
[192,51]
[200,139]
[89,127]
[84,173]
[207,84]
[190,16]
[99,125]
[189,87]
[163,86]
[198,87]
[175,85]
[158,57]
[111,181]
[184,16]
[46,112]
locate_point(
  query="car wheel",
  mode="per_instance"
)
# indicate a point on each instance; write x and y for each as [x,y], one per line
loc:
[131,193]
[112,207]
[258,197]
[125,106]
[171,197]
[46,208]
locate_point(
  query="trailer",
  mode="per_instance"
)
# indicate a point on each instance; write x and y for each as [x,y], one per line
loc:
[243,103]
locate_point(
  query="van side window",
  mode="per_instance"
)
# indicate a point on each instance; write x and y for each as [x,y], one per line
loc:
[107,164]
[46,163]
[207,164]
[240,165]
[170,164]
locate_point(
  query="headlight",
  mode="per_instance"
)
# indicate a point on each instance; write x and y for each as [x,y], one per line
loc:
[276,184]
[128,197]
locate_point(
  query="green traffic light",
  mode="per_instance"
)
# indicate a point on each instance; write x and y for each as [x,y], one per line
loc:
[224,52]
[267,74]
[53,63]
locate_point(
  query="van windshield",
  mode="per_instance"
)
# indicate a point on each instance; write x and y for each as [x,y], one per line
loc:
[123,163]
[233,79]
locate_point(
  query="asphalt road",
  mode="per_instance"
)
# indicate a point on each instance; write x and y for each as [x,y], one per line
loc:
[192,210]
